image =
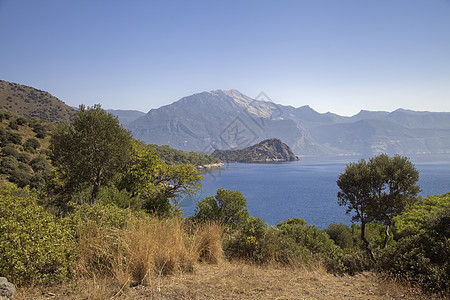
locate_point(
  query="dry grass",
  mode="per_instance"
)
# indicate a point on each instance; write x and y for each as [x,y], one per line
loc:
[145,247]
[165,259]
[237,280]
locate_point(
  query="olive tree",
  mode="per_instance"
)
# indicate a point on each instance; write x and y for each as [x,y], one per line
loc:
[377,190]
[92,149]
[155,182]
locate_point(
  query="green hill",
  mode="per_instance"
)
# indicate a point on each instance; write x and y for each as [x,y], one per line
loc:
[33,103]
[271,150]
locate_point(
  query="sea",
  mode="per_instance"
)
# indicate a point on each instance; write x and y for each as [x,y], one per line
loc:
[304,189]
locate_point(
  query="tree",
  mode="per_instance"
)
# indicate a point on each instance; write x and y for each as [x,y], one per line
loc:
[93,149]
[377,190]
[155,182]
[227,207]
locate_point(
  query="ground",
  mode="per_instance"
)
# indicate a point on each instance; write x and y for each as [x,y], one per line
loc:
[235,281]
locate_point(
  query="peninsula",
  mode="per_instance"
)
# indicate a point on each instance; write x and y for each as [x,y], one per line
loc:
[267,151]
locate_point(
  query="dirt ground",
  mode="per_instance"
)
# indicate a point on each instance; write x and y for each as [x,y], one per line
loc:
[236,281]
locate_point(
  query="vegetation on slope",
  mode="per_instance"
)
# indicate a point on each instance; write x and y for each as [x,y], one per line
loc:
[23,144]
[271,150]
[174,156]
[29,102]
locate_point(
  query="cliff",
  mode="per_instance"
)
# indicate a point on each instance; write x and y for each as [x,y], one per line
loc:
[271,150]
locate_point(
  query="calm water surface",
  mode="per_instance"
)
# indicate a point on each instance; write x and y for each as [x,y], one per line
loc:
[305,189]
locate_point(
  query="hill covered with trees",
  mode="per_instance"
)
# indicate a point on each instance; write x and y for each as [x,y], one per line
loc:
[271,150]
[29,102]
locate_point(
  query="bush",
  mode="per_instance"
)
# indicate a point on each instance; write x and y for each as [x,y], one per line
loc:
[8,164]
[13,125]
[247,243]
[14,138]
[422,258]
[31,144]
[10,150]
[35,248]
[226,207]
[317,242]
[341,235]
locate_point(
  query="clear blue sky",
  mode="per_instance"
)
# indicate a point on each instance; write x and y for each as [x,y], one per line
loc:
[339,56]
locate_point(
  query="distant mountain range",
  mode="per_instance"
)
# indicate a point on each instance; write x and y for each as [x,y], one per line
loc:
[220,120]
[228,119]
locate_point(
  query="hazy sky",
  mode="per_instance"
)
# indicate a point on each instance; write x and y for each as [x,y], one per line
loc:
[339,56]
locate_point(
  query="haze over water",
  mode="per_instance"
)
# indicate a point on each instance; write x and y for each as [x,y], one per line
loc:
[305,189]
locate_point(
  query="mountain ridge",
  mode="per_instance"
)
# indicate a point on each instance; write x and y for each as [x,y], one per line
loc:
[220,120]
[225,119]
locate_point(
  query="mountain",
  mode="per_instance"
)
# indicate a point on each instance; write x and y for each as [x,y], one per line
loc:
[33,103]
[125,116]
[220,120]
[271,150]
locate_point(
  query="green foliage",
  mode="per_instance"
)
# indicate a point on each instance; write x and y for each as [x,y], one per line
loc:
[290,243]
[341,235]
[377,191]
[315,241]
[227,207]
[13,124]
[10,150]
[93,149]
[35,248]
[412,220]
[31,144]
[103,215]
[174,156]
[155,182]
[423,258]
[248,242]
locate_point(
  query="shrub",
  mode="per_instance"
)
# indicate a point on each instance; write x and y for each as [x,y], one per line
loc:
[247,243]
[35,248]
[31,144]
[14,138]
[317,242]
[8,164]
[422,258]
[40,164]
[341,235]
[10,150]
[24,157]
[21,121]
[13,125]
[227,207]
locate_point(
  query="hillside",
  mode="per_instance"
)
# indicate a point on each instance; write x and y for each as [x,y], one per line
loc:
[125,116]
[220,120]
[29,102]
[271,150]
[23,150]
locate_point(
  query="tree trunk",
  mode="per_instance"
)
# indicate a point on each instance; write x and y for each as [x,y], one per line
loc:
[386,239]
[366,242]
[96,186]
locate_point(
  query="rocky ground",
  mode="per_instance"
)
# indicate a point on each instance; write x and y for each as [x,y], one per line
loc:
[236,281]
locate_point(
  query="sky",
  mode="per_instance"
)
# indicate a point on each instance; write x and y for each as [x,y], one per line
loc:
[339,56]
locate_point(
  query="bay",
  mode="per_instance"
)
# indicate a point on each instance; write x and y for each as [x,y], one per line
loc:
[305,189]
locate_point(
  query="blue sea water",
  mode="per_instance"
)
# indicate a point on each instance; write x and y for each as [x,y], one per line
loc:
[305,189]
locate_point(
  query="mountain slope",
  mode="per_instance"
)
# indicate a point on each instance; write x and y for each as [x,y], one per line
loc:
[220,120]
[126,116]
[33,103]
